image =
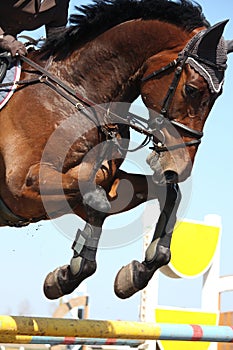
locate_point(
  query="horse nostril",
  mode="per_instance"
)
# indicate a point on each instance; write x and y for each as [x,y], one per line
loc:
[171,176]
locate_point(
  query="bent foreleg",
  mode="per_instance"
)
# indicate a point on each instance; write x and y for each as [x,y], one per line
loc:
[135,276]
[129,190]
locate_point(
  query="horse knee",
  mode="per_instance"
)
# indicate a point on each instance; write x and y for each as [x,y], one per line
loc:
[97,200]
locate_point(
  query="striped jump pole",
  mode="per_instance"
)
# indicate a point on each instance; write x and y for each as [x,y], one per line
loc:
[55,327]
[36,339]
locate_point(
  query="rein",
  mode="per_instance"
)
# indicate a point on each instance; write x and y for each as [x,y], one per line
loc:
[146,127]
[79,102]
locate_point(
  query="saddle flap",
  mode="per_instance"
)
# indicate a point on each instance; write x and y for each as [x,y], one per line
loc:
[9,75]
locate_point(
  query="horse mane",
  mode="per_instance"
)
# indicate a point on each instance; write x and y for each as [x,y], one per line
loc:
[93,19]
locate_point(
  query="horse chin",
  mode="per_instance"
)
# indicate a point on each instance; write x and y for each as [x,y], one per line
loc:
[168,177]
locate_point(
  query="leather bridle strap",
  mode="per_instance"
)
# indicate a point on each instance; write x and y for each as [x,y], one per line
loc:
[64,90]
[161,148]
[47,75]
[79,101]
[193,133]
[161,70]
[179,64]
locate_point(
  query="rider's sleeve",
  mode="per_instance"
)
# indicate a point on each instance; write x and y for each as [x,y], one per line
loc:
[53,30]
[1,32]
[60,18]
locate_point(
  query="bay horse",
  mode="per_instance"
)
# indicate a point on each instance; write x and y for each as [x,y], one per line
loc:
[66,130]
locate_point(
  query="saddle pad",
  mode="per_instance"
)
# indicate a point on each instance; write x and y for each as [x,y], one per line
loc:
[12,75]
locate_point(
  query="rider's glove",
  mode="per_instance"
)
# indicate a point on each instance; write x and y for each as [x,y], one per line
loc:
[9,43]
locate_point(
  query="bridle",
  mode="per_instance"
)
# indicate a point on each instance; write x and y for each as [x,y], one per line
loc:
[162,118]
[140,124]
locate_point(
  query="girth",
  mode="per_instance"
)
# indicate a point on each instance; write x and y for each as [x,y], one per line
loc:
[8,218]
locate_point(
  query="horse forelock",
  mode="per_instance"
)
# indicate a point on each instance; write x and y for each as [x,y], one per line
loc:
[101,15]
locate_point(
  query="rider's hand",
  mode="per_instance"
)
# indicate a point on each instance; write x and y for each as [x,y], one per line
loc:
[9,43]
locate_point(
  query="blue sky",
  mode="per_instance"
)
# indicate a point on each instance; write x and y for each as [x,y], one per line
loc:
[28,254]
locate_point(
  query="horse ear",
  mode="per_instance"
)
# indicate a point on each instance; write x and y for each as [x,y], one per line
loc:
[210,40]
[211,51]
[229,44]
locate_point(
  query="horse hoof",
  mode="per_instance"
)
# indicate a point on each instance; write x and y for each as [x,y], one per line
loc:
[61,281]
[52,288]
[130,279]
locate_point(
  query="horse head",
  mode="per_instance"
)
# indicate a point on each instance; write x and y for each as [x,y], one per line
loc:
[180,94]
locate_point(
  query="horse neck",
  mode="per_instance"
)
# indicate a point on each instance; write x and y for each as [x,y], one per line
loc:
[110,67]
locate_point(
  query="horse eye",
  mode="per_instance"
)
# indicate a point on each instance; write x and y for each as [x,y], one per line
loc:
[191,91]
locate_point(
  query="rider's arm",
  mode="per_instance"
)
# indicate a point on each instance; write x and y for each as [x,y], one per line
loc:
[9,43]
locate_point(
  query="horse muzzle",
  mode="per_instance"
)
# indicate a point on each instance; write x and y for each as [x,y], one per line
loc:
[169,168]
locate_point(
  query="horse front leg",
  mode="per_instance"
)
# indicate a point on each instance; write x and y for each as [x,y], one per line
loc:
[64,280]
[135,276]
